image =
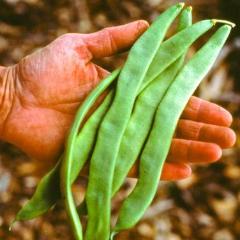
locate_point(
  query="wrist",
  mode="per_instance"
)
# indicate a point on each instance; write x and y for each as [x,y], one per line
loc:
[7,93]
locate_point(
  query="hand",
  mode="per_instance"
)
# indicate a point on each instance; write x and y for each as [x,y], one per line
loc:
[49,85]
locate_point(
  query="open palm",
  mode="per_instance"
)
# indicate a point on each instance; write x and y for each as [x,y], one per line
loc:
[50,84]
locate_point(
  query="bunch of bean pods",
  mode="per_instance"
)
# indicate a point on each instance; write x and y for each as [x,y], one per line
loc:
[142,110]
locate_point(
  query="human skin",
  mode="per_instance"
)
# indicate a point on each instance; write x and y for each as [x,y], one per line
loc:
[40,95]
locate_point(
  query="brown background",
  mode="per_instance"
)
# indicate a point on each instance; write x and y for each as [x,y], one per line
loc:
[205,206]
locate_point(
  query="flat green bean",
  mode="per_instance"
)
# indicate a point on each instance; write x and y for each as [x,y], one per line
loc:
[51,180]
[48,189]
[168,113]
[174,47]
[141,120]
[66,164]
[44,197]
[87,136]
[138,127]
[185,19]
[194,32]
[164,59]
[112,127]
[148,78]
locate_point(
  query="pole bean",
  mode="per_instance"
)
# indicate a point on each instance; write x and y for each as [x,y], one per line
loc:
[140,122]
[44,197]
[165,122]
[48,190]
[112,127]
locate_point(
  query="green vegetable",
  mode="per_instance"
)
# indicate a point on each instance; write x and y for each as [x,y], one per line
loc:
[112,127]
[44,197]
[168,113]
[66,165]
[51,179]
[168,52]
[137,118]
[174,47]
[140,122]
[83,148]
[48,189]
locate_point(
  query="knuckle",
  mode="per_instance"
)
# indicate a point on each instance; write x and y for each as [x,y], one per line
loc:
[108,38]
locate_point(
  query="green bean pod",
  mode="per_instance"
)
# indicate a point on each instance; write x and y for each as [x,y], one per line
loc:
[174,47]
[141,120]
[44,197]
[168,52]
[86,138]
[48,190]
[112,127]
[51,179]
[164,59]
[138,127]
[197,31]
[185,19]
[168,113]
[66,165]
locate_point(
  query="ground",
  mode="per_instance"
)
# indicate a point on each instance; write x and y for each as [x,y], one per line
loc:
[206,206]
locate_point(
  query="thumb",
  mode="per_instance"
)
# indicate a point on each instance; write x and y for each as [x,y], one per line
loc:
[114,39]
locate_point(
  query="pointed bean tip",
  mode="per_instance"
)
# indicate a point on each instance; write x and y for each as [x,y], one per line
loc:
[213,21]
[11,225]
[181,4]
[231,24]
[113,235]
[189,8]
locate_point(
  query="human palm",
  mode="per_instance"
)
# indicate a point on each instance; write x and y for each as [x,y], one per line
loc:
[51,83]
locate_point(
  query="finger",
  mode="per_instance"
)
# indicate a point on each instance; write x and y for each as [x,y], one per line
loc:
[191,130]
[114,39]
[174,171]
[188,151]
[203,111]
[171,171]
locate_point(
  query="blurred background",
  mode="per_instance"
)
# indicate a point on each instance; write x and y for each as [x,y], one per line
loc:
[205,206]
